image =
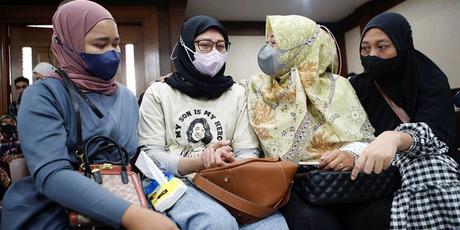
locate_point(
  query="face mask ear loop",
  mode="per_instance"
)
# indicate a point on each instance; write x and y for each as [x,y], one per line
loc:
[58,41]
[66,49]
[337,49]
[312,38]
[172,53]
[182,43]
[308,42]
[297,53]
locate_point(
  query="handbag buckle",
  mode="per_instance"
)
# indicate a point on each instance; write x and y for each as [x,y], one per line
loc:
[106,166]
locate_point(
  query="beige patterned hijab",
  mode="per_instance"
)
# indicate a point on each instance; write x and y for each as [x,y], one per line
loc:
[306,109]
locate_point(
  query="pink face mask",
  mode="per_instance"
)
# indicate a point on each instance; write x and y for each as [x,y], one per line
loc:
[207,63]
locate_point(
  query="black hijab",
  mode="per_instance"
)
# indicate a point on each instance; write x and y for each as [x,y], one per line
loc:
[418,85]
[188,79]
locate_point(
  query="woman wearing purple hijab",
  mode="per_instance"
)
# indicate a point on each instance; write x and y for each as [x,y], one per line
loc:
[85,41]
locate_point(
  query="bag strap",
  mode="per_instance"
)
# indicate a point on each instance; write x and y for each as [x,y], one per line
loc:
[402,115]
[237,202]
[76,109]
[73,90]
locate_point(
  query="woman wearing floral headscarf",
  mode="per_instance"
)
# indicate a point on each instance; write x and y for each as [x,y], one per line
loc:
[85,41]
[298,107]
[302,111]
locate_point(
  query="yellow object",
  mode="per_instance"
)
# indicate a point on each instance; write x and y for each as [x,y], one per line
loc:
[167,194]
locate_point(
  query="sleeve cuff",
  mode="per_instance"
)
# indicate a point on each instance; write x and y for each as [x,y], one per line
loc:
[247,153]
[354,147]
[164,160]
[412,130]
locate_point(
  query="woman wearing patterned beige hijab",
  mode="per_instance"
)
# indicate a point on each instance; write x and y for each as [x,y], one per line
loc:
[301,110]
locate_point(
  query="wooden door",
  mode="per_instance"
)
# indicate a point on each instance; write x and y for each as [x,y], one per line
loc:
[132,35]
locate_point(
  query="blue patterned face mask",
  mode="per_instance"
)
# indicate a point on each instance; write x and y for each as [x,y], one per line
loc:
[104,65]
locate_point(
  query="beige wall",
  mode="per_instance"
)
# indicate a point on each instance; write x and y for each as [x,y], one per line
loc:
[352,38]
[435,27]
[242,56]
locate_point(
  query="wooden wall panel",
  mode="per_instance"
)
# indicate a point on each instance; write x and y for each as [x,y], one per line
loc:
[4,63]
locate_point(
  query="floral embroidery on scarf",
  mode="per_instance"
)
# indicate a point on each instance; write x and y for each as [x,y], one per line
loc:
[263,115]
[278,92]
[307,71]
[320,143]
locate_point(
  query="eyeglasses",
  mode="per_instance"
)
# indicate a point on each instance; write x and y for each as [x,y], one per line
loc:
[206,45]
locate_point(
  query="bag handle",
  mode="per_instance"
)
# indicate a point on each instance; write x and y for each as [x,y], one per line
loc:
[237,202]
[402,115]
[123,155]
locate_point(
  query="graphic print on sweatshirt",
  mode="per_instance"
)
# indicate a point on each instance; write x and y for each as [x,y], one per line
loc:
[196,129]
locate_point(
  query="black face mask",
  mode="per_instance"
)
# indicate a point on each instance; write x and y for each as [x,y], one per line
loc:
[379,68]
[8,129]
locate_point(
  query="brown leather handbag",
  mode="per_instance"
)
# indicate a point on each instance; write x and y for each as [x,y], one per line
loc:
[250,189]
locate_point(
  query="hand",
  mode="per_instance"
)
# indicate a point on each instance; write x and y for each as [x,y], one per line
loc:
[226,154]
[378,155]
[217,155]
[139,218]
[337,160]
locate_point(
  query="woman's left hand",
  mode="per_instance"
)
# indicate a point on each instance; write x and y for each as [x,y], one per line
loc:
[337,160]
[378,155]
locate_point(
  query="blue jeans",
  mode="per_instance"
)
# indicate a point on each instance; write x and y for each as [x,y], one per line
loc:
[197,210]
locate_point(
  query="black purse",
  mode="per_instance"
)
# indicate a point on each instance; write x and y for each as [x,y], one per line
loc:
[322,187]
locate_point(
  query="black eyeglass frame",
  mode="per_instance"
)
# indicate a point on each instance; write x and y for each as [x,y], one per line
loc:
[227,45]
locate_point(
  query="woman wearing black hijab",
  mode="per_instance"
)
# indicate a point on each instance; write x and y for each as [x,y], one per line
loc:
[408,101]
[188,79]
[187,123]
